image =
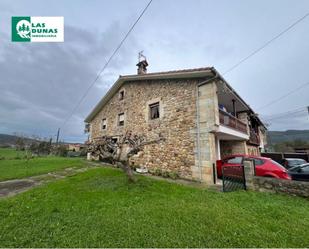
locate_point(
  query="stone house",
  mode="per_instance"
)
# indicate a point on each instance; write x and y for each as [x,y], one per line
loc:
[198,113]
[76,147]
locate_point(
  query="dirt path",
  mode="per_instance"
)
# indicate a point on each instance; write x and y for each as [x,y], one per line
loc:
[16,186]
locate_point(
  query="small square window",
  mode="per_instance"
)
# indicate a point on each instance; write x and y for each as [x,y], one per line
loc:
[121,119]
[154,110]
[104,124]
[121,95]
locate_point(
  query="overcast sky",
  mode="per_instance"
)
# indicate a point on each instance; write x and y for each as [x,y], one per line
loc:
[40,83]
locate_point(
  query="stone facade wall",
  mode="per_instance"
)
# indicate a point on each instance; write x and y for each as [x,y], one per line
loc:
[188,120]
[273,185]
[253,150]
[230,147]
[177,122]
[205,146]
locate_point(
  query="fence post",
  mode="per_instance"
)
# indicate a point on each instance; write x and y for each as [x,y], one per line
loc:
[223,180]
[214,172]
[244,175]
[250,171]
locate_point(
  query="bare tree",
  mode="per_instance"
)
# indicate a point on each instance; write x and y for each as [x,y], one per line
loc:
[119,152]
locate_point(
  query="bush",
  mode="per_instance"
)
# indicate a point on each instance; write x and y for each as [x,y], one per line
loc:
[60,150]
[73,154]
[28,156]
[165,174]
[174,175]
[157,172]
[83,152]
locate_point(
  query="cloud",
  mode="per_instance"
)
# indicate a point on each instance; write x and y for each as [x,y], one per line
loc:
[42,82]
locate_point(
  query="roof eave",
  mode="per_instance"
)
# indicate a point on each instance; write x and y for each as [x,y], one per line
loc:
[122,79]
[103,101]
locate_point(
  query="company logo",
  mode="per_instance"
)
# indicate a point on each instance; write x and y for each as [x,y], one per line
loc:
[37,29]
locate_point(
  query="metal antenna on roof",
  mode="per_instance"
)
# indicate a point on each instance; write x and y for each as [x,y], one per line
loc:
[141,57]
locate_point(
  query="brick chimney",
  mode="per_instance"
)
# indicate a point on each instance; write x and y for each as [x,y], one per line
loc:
[142,64]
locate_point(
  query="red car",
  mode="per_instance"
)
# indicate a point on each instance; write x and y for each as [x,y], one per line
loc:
[263,166]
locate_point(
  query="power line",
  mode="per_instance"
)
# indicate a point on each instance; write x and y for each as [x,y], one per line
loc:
[290,114]
[283,113]
[132,27]
[283,96]
[106,64]
[266,44]
[293,115]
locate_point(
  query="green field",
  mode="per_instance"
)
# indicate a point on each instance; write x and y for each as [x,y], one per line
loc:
[99,208]
[19,168]
[9,153]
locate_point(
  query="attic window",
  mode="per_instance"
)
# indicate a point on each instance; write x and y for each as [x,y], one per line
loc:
[154,110]
[121,119]
[121,95]
[104,124]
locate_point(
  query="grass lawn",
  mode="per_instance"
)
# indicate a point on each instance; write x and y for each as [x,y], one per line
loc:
[9,153]
[99,208]
[12,169]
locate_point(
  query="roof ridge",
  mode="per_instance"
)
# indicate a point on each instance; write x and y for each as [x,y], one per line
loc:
[188,70]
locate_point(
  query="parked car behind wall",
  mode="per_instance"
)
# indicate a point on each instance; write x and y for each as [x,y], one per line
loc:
[263,166]
[300,172]
[292,162]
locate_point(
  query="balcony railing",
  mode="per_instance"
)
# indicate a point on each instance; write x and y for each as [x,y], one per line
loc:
[228,120]
[254,138]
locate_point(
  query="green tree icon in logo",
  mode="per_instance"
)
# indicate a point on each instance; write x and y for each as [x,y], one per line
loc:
[21,29]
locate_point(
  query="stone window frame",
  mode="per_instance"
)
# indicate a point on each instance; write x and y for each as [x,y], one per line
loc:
[151,106]
[102,124]
[147,110]
[121,94]
[118,119]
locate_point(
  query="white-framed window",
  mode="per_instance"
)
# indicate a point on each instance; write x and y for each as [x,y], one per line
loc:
[154,110]
[104,124]
[121,95]
[121,119]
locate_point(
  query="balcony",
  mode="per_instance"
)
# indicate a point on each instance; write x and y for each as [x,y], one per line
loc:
[230,121]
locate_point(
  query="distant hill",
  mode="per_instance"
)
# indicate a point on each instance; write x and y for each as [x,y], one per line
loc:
[10,140]
[288,135]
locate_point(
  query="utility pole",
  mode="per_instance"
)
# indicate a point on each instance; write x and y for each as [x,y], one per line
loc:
[308,109]
[58,132]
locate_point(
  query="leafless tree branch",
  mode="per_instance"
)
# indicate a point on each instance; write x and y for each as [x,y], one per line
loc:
[121,151]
